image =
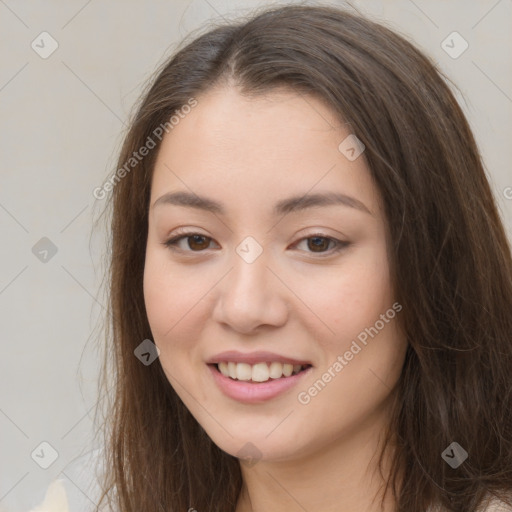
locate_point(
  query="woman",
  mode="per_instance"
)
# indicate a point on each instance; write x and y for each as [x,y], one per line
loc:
[311,286]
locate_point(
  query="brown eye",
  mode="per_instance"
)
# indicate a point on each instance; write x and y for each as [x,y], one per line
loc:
[318,243]
[198,242]
[322,245]
[195,242]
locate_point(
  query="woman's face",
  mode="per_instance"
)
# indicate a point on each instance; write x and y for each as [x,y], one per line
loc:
[279,263]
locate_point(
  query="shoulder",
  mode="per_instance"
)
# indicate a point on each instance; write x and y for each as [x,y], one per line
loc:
[496,505]
[78,486]
[490,504]
[81,480]
[493,504]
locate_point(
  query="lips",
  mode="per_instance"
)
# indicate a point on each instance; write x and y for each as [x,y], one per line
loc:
[251,392]
[253,358]
[258,376]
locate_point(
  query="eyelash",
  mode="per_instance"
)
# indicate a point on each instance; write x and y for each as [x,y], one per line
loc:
[172,242]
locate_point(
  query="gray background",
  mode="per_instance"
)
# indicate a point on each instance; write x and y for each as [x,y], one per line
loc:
[62,121]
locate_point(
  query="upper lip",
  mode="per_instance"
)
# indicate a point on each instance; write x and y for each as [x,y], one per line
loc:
[253,358]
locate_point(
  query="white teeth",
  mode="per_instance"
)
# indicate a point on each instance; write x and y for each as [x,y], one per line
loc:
[276,370]
[243,371]
[232,370]
[260,372]
[287,369]
[223,368]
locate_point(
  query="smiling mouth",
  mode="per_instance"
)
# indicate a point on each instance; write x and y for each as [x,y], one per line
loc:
[259,372]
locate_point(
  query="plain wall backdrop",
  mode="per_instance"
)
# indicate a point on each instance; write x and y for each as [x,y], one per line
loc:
[70,73]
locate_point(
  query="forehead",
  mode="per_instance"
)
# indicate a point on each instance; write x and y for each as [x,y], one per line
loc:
[277,121]
[259,149]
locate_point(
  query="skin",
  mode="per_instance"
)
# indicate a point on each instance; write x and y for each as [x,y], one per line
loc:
[294,299]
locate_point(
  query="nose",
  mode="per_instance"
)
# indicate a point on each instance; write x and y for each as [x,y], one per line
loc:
[250,297]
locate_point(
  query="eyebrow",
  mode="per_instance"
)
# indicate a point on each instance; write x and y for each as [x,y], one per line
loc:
[283,207]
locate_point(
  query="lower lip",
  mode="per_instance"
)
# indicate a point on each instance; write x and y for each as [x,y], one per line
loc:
[254,392]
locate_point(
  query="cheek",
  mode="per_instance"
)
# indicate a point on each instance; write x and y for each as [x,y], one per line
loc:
[351,296]
[362,360]
[171,300]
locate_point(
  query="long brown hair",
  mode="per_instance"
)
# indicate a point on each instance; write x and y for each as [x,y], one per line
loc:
[450,261]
